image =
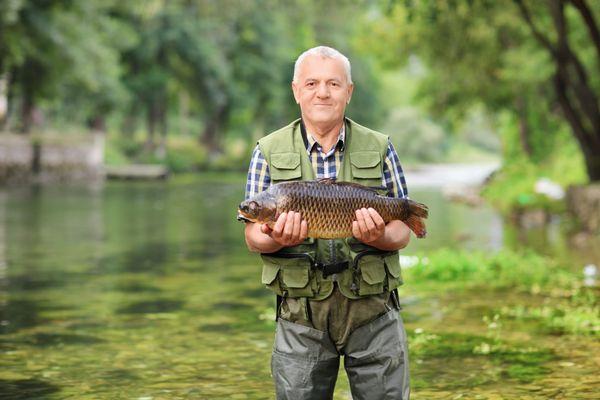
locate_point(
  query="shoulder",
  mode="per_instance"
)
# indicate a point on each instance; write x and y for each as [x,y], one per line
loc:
[367,134]
[278,135]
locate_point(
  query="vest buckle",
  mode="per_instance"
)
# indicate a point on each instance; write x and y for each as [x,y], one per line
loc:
[330,269]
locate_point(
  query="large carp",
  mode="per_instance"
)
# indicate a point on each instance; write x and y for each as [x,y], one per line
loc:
[329,207]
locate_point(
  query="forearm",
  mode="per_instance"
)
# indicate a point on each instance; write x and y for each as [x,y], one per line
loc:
[395,237]
[259,242]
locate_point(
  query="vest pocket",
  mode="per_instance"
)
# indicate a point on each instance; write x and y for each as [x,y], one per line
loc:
[394,269]
[372,272]
[288,277]
[366,167]
[285,166]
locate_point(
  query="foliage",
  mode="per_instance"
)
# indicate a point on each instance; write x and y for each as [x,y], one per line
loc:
[499,55]
[506,268]
[185,155]
[579,313]
[512,188]
[221,70]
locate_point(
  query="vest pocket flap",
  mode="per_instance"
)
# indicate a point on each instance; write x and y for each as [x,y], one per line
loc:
[285,160]
[295,277]
[365,159]
[372,269]
[393,265]
[365,164]
[269,273]
[285,166]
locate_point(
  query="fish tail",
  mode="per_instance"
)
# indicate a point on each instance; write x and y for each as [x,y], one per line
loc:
[414,221]
[418,209]
[416,224]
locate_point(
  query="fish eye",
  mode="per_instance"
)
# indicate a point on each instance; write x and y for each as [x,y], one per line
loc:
[252,206]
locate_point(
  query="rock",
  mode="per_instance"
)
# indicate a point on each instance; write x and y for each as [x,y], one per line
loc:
[137,171]
[583,202]
[463,194]
[549,188]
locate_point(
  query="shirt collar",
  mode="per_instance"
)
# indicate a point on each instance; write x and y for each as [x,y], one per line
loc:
[311,141]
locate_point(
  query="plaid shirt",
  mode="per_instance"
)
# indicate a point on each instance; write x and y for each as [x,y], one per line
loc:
[326,165]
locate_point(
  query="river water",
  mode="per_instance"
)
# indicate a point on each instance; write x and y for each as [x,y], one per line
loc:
[145,290]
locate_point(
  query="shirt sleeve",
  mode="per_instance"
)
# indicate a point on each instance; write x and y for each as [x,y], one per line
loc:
[393,176]
[259,178]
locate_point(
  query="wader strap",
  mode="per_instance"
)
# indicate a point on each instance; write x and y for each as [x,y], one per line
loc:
[396,299]
[278,301]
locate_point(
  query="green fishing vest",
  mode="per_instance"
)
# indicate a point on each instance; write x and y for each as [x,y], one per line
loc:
[291,271]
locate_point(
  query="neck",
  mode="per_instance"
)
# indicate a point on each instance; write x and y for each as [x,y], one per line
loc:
[326,134]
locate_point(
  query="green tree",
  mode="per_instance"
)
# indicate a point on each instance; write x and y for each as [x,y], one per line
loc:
[493,53]
[50,45]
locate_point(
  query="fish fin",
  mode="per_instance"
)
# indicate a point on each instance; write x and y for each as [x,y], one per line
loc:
[357,185]
[416,225]
[326,180]
[381,190]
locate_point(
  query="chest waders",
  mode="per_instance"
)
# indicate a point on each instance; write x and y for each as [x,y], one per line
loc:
[310,268]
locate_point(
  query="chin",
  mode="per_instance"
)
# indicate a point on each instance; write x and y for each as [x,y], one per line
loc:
[322,117]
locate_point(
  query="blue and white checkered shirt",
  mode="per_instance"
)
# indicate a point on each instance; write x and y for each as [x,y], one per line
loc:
[326,166]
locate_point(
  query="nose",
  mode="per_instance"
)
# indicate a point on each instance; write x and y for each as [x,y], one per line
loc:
[243,207]
[323,90]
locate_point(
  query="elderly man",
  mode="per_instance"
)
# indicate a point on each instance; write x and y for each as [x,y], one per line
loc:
[346,304]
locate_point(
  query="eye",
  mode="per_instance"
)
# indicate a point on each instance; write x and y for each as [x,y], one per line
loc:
[253,206]
[310,84]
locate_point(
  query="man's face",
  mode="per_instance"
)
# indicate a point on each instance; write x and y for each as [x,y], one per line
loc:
[322,89]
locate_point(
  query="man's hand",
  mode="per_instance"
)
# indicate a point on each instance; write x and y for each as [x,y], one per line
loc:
[370,229]
[289,230]
[369,225]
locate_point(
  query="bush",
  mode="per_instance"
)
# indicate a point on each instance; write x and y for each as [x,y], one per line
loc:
[503,269]
[185,154]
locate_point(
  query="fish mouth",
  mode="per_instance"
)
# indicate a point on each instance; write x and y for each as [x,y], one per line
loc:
[243,216]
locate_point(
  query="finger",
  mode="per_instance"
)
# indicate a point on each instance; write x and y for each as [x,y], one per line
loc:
[296,226]
[303,230]
[266,229]
[289,226]
[356,230]
[379,222]
[361,224]
[278,228]
[368,220]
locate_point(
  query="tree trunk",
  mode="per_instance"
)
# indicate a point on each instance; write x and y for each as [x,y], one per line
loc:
[151,122]
[521,107]
[31,115]
[214,126]
[161,150]
[97,123]
[130,121]
[575,94]
[4,85]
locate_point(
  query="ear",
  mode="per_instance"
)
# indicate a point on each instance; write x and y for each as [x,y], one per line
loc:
[350,90]
[296,90]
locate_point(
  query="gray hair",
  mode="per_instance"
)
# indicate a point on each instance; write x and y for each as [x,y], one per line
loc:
[323,51]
